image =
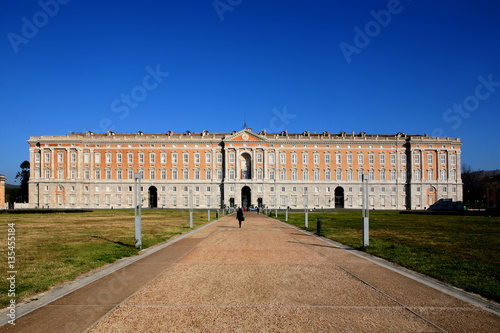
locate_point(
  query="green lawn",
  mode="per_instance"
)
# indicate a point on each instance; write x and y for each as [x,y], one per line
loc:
[460,250]
[52,248]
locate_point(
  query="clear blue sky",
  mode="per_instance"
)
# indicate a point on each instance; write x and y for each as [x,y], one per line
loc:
[374,66]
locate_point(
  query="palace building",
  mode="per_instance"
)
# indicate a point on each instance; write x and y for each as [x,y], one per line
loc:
[242,168]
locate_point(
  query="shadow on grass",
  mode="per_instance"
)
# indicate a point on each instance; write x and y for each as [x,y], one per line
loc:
[328,246]
[111,241]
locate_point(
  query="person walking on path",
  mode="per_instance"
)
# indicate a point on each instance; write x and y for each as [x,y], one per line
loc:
[239,216]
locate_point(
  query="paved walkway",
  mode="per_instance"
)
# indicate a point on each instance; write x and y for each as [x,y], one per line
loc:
[266,276]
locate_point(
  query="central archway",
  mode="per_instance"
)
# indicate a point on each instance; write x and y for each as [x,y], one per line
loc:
[153,197]
[246,197]
[339,197]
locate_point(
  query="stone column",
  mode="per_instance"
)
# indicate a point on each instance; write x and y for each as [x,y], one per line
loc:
[52,163]
[265,157]
[237,161]
[68,163]
[226,171]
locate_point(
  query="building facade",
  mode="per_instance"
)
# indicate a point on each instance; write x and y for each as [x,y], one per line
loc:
[2,192]
[213,170]
[493,192]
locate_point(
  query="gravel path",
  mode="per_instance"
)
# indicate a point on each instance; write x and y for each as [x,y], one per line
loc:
[268,277]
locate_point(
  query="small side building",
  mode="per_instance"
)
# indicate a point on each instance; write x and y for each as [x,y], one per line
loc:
[2,191]
[493,192]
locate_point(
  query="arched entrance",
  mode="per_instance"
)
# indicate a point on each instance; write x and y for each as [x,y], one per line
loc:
[246,197]
[153,197]
[339,197]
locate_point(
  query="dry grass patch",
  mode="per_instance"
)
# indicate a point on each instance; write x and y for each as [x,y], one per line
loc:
[53,248]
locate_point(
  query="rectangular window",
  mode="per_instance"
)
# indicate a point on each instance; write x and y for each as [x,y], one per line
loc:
[130,158]
[197,158]
[294,158]
[305,158]
[393,159]
[185,158]
[163,174]
[382,159]
[152,158]
[108,174]
[338,159]
[452,159]
[163,158]
[47,158]
[208,158]
[73,157]
[231,157]
[37,157]
[108,158]
[371,158]
[282,158]
[327,158]
[429,159]
[349,158]
[174,158]
[59,158]
[271,158]
[259,157]
[403,159]
[119,158]
[152,174]
[219,157]
[97,158]
[141,158]
[360,158]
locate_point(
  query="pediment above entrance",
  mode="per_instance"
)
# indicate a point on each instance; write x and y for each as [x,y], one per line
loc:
[245,135]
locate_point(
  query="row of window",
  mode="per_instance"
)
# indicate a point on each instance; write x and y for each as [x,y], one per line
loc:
[294,174]
[259,155]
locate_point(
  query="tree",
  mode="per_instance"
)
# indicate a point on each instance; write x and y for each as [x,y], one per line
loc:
[474,189]
[24,176]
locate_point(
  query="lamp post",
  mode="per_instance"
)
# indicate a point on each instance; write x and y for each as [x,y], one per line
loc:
[366,212]
[275,197]
[191,209]
[306,205]
[137,211]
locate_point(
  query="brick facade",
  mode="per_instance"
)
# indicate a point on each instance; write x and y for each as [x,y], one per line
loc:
[241,168]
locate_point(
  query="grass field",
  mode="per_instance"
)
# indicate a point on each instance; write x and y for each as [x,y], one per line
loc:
[461,250]
[52,248]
